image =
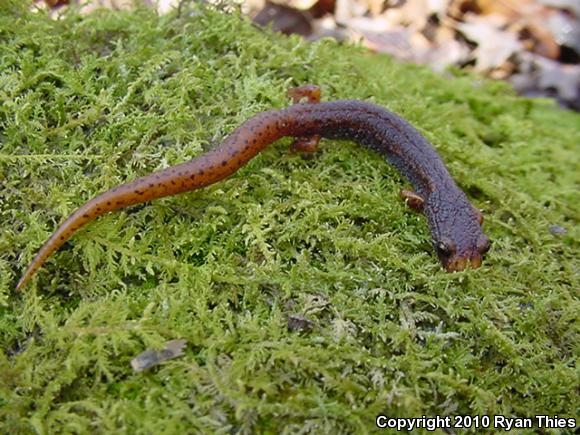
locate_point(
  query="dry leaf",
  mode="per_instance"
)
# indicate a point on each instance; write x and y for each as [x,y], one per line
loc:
[571,5]
[565,29]
[150,357]
[539,76]
[564,78]
[346,9]
[299,323]
[494,46]
[284,19]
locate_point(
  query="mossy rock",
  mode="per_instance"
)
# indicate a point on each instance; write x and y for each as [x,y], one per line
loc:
[89,102]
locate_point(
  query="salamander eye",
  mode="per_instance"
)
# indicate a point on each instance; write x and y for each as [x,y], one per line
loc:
[445,248]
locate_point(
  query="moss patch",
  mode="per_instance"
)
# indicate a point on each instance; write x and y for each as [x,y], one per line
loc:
[88,103]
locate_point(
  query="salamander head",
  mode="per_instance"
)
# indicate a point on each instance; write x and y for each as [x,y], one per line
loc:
[455,226]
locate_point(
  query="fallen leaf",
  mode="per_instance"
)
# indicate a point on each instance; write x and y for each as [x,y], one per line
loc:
[299,323]
[540,76]
[150,357]
[565,29]
[284,19]
[564,78]
[494,46]
[571,5]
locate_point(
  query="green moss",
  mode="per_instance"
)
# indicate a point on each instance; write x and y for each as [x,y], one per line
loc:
[87,103]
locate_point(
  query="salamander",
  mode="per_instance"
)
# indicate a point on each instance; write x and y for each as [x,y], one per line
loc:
[455,224]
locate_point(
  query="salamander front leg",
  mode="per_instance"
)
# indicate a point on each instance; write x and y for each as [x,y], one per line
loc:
[308,144]
[413,200]
[305,144]
[479,215]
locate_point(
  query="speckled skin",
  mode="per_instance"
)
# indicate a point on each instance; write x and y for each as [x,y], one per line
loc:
[455,224]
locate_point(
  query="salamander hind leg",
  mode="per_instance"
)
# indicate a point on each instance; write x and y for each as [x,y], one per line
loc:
[413,200]
[310,92]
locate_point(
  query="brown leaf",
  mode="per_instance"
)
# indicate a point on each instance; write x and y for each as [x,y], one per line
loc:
[299,323]
[494,46]
[284,19]
[150,357]
[55,3]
